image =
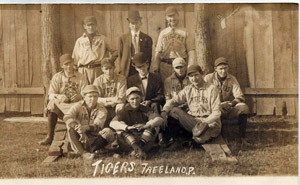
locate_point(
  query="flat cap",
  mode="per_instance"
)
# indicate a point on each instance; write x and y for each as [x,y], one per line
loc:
[89,89]
[194,68]
[65,58]
[107,62]
[90,19]
[178,62]
[221,60]
[132,90]
[139,59]
[171,10]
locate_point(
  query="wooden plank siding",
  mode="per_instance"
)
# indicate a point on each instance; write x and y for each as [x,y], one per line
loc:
[260,41]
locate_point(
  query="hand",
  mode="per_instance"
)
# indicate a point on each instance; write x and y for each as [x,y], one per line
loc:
[62,98]
[76,98]
[146,103]
[212,125]
[143,127]
[226,106]
[83,138]
[131,128]
[82,128]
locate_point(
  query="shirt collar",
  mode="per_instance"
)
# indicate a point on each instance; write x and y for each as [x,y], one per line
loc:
[141,108]
[137,33]
[144,76]
[105,79]
[216,76]
[203,87]
[96,34]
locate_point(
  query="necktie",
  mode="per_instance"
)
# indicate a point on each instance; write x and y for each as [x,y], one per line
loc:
[144,78]
[136,43]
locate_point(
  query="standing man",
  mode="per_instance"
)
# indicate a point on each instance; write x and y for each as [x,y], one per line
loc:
[90,49]
[230,87]
[111,87]
[65,89]
[85,124]
[131,43]
[136,124]
[150,84]
[203,100]
[173,42]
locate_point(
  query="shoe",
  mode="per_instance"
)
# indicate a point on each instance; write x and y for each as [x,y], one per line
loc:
[46,141]
[138,154]
[199,129]
[164,144]
[88,156]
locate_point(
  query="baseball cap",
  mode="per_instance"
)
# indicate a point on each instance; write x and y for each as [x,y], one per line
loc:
[194,68]
[132,90]
[107,62]
[178,62]
[221,60]
[65,58]
[90,19]
[171,10]
[89,89]
[139,59]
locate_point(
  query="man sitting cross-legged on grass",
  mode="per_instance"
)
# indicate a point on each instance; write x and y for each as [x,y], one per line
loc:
[85,124]
[232,98]
[137,124]
[65,89]
[203,100]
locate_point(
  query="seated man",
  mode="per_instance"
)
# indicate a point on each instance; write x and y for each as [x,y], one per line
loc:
[111,88]
[229,86]
[203,101]
[85,124]
[65,88]
[136,124]
[150,84]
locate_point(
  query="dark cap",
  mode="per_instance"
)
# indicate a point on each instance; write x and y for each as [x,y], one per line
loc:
[65,58]
[221,60]
[139,59]
[133,90]
[90,19]
[194,68]
[89,89]
[171,10]
[134,16]
[107,62]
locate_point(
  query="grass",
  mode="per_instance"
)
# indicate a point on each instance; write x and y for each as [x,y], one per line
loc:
[273,151]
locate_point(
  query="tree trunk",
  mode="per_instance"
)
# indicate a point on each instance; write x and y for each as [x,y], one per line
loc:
[202,37]
[51,47]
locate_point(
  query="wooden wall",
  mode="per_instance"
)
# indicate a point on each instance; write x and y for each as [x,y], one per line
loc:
[260,41]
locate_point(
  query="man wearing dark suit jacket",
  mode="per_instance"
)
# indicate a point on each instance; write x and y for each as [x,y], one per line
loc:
[131,43]
[150,84]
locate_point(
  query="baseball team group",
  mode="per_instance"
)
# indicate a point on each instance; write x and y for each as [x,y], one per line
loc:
[109,97]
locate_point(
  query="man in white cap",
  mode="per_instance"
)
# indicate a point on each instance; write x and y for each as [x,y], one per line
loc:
[90,49]
[65,89]
[232,98]
[136,124]
[131,43]
[86,124]
[173,42]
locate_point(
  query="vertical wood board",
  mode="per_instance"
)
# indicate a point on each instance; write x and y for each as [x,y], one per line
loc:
[67,28]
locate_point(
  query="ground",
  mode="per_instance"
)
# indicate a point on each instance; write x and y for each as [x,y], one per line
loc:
[273,150]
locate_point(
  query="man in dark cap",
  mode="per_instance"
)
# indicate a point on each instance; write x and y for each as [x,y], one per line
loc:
[111,87]
[150,84]
[232,98]
[174,41]
[136,124]
[203,100]
[65,89]
[131,43]
[86,124]
[90,49]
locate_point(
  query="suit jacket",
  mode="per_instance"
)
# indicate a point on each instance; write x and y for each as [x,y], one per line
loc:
[124,51]
[154,90]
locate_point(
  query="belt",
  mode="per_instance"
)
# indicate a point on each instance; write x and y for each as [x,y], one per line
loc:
[89,66]
[167,60]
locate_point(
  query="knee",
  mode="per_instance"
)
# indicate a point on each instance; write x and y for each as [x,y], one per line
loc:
[108,134]
[175,112]
[242,108]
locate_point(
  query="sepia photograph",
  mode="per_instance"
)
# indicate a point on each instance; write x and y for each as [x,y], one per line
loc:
[178,90]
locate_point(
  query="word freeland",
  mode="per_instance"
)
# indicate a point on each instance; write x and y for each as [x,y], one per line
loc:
[129,167]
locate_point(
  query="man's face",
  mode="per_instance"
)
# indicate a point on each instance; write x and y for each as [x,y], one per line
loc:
[222,70]
[68,68]
[108,70]
[135,26]
[134,100]
[172,20]
[90,28]
[180,70]
[195,78]
[91,99]
[143,70]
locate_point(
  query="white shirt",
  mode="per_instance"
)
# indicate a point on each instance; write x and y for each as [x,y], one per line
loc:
[135,40]
[145,83]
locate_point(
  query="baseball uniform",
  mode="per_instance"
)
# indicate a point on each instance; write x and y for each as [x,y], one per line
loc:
[173,86]
[204,107]
[88,55]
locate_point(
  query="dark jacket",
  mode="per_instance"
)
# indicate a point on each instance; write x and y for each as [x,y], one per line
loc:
[124,51]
